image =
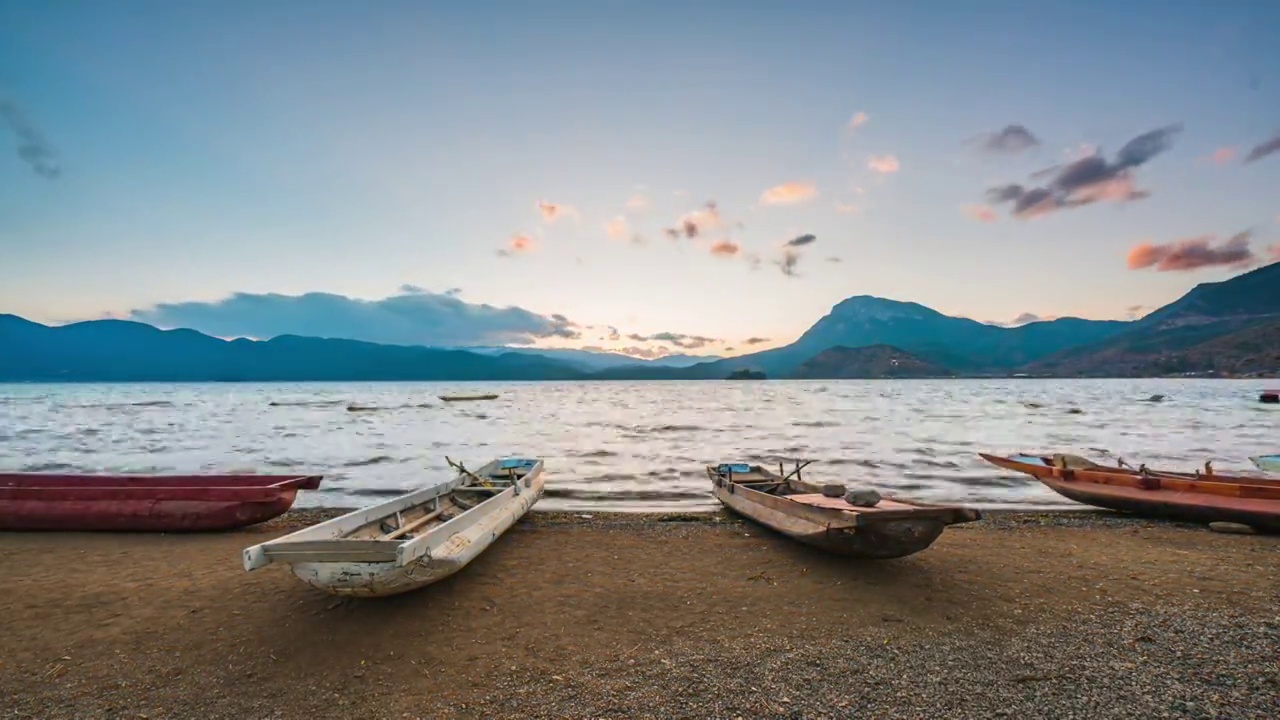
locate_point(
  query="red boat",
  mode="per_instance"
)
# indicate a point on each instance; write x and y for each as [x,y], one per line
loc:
[145,503]
[1178,496]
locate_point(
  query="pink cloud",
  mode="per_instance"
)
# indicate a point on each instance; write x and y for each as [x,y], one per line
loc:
[884,164]
[1193,254]
[981,213]
[859,118]
[789,193]
[845,208]
[617,228]
[1223,155]
[725,248]
[553,211]
[637,204]
[519,243]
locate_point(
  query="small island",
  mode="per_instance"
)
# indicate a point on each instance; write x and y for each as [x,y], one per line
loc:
[745,374]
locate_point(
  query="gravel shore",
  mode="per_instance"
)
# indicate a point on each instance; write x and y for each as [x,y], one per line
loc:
[595,615]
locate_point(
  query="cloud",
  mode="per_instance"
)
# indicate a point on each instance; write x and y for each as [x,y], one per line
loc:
[859,119]
[1193,254]
[752,260]
[453,291]
[834,259]
[1222,156]
[680,340]
[613,336]
[1012,139]
[1274,251]
[1027,318]
[518,244]
[802,240]
[637,204]
[696,223]
[845,208]
[981,213]
[790,258]
[617,228]
[883,164]
[1089,179]
[725,248]
[33,149]
[755,341]
[418,318]
[1264,149]
[789,193]
[1133,312]
[552,211]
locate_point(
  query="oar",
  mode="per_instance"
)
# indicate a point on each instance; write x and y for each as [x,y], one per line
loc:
[458,466]
[799,466]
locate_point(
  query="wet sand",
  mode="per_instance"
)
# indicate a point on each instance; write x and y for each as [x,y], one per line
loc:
[1071,614]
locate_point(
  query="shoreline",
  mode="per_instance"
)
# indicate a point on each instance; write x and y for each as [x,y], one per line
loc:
[663,615]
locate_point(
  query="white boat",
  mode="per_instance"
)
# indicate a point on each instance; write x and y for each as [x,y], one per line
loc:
[413,540]
[1267,463]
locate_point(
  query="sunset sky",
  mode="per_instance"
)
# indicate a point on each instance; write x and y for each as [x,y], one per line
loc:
[703,172]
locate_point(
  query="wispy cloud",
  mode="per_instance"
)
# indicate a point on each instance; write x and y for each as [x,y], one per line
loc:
[680,340]
[789,193]
[1263,149]
[1222,156]
[801,240]
[415,318]
[981,213]
[834,259]
[725,248]
[637,204]
[1088,180]
[883,164]
[617,228]
[1194,253]
[518,243]
[696,223]
[554,211]
[858,120]
[790,259]
[1011,139]
[33,149]
[845,208]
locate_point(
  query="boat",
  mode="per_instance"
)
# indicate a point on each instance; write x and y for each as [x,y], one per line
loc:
[410,541]
[145,503]
[1267,463]
[1212,497]
[1271,397]
[823,516]
[465,398]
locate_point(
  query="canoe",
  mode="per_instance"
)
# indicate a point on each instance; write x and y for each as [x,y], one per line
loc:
[413,540]
[1267,463]
[145,503]
[800,510]
[1176,496]
[464,398]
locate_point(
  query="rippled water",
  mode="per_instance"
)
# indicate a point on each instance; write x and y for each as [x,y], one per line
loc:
[635,446]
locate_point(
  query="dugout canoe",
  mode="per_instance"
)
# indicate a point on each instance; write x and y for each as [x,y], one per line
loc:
[413,540]
[802,510]
[145,503]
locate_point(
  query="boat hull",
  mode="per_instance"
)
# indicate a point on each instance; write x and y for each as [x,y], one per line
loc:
[379,579]
[144,504]
[896,534]
[1210,498]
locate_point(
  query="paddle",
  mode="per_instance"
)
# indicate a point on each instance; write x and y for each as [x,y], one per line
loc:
[459,467]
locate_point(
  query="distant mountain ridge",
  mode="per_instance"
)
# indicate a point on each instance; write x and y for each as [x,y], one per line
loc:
[1230,327]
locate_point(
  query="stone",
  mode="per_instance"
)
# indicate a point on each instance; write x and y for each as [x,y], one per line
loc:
[1231,527]
[864,497]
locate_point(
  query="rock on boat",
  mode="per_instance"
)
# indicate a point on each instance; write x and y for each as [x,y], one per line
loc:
[145,503]
[798,509]
[1203,498]
[413,540]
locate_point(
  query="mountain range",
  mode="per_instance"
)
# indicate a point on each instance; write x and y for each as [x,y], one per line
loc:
[1230,327]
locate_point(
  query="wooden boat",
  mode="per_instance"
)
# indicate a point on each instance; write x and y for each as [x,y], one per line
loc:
[1270,397]
[465,398]
[799,509]
[142,503]
[1267,463]
[1248,500]
[410,541]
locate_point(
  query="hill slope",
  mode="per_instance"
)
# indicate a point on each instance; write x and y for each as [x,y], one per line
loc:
[117,350]
[876,361]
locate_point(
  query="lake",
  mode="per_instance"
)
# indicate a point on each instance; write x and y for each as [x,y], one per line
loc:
[635,445]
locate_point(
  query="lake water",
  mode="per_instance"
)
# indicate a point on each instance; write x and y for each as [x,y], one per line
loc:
[635,445]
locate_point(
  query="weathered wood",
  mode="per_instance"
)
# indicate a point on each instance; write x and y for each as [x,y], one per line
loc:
[405,530]
[800,510]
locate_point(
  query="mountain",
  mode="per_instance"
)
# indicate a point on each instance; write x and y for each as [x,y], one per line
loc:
[118,350]
[876,361]
[1226,327]
[593,360]
[964,345]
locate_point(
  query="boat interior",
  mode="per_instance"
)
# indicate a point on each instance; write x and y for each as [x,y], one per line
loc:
[482,485]
[759,478]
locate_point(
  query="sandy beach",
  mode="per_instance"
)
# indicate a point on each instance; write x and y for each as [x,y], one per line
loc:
[1082,615]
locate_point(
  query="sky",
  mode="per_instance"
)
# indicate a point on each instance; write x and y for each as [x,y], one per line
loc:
[654,177]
